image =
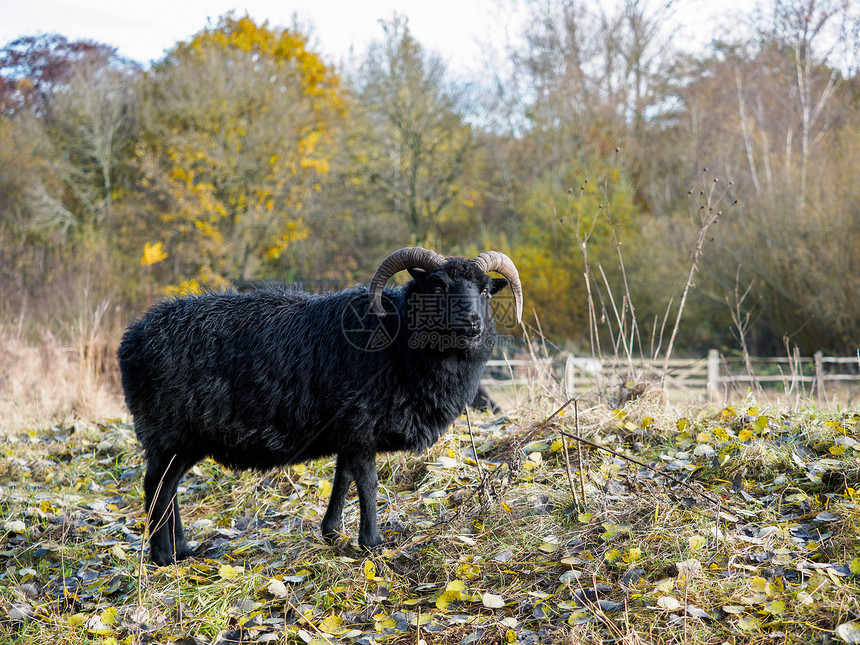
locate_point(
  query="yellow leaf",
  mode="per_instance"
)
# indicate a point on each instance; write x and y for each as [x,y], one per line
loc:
[227,572]
[633,555]
[444,601]
[369,569]
[854,566]
[696,542]
[749,623]
[612,555]
[665,585]
[775,607]
[744,435]
[468,571]
[683,424]
[76,620]
[324,488]
[383,622]
[152,254]
[332,625]
[108,616]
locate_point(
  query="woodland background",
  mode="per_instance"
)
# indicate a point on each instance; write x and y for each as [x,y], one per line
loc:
[597,147]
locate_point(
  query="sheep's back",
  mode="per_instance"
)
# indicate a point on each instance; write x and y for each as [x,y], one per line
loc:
[243,373]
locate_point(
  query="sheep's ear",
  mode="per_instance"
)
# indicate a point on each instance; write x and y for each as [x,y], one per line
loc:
[419,275]
[496,285]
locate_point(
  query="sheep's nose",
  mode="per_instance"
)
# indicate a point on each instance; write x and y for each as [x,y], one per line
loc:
[472,323]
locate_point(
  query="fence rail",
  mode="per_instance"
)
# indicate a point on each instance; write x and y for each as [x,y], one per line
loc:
[714,374]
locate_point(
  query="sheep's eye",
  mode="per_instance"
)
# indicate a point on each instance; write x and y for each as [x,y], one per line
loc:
[438,289]
[485,292]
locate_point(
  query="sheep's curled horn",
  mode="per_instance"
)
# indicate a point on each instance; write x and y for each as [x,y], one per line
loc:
[418,258]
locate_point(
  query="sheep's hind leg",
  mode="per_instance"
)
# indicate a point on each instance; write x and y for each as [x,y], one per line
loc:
[166,537]
[333,519]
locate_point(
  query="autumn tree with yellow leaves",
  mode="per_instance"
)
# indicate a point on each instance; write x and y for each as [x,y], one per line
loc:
[236,131]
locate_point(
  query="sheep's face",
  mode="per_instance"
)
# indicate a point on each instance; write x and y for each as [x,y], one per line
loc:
[449,308]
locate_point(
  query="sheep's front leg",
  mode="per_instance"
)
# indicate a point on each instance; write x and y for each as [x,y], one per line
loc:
[362,469]
[366,482]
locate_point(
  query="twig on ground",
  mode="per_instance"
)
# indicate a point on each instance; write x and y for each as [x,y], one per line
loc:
[640,463]
[308,621]
[569,475]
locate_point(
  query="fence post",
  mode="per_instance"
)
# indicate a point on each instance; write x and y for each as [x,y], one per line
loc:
[569,376]
[819,377]
[713,374]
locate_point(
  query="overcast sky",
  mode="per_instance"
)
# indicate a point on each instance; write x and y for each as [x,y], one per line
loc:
[456,29]
[143,31]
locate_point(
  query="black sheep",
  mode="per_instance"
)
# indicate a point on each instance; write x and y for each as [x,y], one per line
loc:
[277,377]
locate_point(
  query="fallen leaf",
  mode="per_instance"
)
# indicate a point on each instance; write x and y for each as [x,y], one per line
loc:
[668,602]
[492,601]
[277,588]
[227,572]
[369,569]
[332,625]
[696,542]
[849,632]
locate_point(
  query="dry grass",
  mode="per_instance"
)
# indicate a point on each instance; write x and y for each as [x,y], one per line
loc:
[48,383]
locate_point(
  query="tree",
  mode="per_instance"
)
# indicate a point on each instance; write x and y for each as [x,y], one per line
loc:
[34,68]
[75,103]
[236,130]
[415,144]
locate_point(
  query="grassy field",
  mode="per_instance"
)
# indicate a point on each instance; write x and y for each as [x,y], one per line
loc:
[748,532]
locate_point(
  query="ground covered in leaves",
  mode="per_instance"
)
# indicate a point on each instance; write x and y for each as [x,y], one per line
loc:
[538,541]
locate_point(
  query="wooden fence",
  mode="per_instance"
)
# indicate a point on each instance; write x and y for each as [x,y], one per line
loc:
[716,375]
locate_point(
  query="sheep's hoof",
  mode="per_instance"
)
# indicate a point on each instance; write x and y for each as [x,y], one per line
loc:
[163,559]
[370,544]
[332,534]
